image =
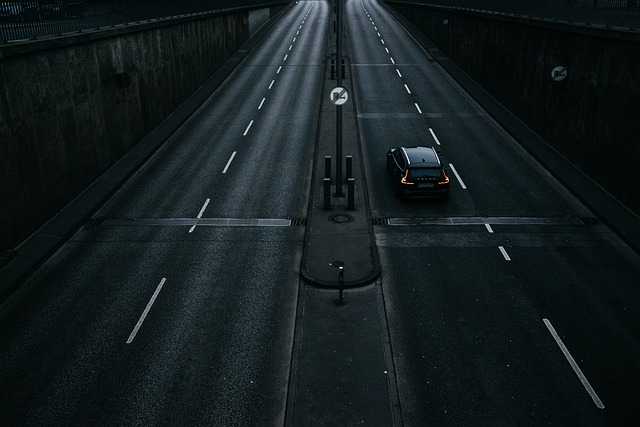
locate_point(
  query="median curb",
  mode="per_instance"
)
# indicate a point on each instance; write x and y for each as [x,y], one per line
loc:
[338,234]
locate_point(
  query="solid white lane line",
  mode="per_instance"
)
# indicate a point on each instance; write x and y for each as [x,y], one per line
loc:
[229,162]
[261,102]
[574,365]
[279,69]
[504,253]
[398,71]
[407,88]
[488,227]
[417,107]
[146,311]
[455,172]
[271,85]
[246,131]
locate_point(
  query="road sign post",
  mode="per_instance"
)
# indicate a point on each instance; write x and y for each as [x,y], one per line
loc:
[339,106]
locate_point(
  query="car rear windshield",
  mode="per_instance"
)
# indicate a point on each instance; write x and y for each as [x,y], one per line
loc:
[425,173]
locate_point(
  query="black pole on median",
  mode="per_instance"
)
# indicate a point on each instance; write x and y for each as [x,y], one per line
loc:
[339,107]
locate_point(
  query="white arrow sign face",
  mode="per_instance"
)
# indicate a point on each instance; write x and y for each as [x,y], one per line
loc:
[339,95]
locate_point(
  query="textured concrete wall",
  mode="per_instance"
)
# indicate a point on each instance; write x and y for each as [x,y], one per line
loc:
[591,117]
[65,116]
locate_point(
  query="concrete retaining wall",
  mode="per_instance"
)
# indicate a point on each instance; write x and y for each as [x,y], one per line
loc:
[592,117]
[70,107]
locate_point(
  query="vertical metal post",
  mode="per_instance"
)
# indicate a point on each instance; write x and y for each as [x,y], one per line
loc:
[327,167]
[327,193]
[341,284]
[339,107]
[351,189]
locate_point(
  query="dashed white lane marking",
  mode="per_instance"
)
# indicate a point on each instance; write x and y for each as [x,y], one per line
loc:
[455,172]
[229,163]
[435,138]
[387,49]
[206,203]
[488,227]
[398,71]
[417,107]
[271,85]
[279,69]
[504,253]
[246,131]
[407,88]
[146,311]
[261,102]
[285,57]
[574,365]
[392,61]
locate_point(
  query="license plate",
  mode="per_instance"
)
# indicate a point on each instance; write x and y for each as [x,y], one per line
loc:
[425,185]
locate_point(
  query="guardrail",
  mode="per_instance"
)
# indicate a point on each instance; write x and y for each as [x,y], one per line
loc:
[622,14]
[32,19]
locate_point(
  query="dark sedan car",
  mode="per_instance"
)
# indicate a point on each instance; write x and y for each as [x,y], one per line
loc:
[417,172]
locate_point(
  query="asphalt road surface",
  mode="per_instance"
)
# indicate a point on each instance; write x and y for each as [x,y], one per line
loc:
[476,286]
[149,317]
[507,304]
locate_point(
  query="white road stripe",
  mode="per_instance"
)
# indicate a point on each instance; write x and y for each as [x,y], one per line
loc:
[279,69]
[574,365]
[285,57]
[455,172]
[290,47]
[229,162]
[488,227]
[435,138]
[146,311]
[206,203]
[387,49]
[392,61]
[246,131]
[407,88]
[261,102]
[398,71]
[417,107]
[271,85]
[382,40]
[504,253]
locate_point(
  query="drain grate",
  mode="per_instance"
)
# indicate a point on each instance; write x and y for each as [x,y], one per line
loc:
[299,222]
[379,221]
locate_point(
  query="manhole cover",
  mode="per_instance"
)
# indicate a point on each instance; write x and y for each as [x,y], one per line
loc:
[340,218]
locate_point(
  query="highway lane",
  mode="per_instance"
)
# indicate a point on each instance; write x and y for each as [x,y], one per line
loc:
[471,307]
[174,305]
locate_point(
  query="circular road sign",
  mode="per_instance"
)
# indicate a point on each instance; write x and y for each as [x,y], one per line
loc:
[559,74]
[339,95]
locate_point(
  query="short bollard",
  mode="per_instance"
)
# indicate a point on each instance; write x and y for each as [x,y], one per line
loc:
[351,187]
[327,166]
[340,266]
[327,193]
[349,167]
[341,284]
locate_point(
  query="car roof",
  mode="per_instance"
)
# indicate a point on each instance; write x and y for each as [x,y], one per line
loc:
[421,156]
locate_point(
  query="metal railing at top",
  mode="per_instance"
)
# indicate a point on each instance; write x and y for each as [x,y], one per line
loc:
[32,19]
[622,14]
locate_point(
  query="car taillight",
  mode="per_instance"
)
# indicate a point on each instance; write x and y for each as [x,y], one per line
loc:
[446,178]
[404,179]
